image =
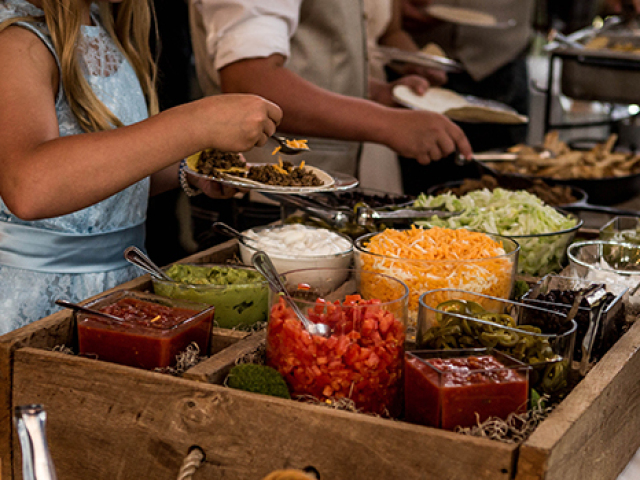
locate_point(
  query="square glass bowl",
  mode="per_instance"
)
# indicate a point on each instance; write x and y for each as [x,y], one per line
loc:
[493,275]
[606,261]
[472,320]
[556,292]
[362,358]
[239,293]
[153,331]
[624,229]
[459,388]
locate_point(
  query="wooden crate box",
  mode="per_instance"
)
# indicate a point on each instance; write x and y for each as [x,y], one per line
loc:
[59,329]
[107,421]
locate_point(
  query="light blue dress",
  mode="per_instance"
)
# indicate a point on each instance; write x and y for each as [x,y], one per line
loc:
[78,255]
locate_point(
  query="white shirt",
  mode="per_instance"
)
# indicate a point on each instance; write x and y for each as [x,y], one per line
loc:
[241,29]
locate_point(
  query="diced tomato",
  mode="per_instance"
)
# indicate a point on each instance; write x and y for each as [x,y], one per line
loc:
[361,360]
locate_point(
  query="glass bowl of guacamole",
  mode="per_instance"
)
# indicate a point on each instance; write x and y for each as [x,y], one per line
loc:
[240,294]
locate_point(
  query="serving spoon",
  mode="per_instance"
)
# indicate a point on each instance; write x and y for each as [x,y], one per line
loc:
[228,230]
[263,264]
[134,255]
[286,148]
[89,311]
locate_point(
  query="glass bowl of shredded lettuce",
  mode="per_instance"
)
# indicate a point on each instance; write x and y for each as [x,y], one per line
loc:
[543,232]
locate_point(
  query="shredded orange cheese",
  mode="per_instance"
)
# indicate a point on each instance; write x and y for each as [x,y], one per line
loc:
[276,150]
[297,144]
[428,259]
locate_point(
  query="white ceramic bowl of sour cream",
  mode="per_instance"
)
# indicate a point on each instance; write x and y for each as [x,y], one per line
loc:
[296,246]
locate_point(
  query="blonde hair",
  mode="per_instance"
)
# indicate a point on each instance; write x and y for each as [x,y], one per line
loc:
[129,24]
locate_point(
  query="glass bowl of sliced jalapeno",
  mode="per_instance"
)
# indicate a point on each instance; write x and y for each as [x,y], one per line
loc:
[471,320]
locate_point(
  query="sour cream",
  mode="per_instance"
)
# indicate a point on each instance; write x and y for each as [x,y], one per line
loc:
[298,241]
[294,247]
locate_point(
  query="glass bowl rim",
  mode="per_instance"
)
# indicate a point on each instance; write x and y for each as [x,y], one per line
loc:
[570,331]
[590,266]
[404,298]
[575,228]
[208,286]
[145,296]
[298,256]
[517,364]
[358,247]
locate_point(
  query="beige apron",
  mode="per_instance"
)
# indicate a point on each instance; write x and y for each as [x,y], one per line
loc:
[329,50]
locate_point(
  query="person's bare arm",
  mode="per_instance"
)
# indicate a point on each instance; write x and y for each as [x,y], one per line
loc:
[312,111]
[44,175]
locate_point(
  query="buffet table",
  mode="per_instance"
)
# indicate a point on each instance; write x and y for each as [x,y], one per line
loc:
[106,418]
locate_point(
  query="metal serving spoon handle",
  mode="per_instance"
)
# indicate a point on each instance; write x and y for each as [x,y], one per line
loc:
[89,311]
[263,264]
[139,259]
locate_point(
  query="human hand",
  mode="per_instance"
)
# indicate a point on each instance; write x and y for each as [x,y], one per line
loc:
[434,76]
[382,92]
[234,122]
[425,136]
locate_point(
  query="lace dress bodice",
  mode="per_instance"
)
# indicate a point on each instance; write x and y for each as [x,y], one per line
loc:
[27,295]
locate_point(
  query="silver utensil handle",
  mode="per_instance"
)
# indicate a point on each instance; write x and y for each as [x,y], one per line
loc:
[30,421]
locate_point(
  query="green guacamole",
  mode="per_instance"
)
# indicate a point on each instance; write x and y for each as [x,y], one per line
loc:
[240,295]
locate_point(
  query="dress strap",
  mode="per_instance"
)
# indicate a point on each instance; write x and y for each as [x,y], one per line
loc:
[49,251]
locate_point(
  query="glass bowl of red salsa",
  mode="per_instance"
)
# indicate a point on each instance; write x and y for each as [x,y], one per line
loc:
[457,388]
[362,358]
[464,319]
[152,332]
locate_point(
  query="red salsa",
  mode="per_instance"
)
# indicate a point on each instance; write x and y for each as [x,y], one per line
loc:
[149,336]
[360,360]
[448,392]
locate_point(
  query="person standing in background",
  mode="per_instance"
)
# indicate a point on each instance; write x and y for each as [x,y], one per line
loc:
[380,167]
[495,69]
[310,58]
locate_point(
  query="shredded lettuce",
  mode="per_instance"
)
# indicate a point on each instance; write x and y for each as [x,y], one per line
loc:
[512,214]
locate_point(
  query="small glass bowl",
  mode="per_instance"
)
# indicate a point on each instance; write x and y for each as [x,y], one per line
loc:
[606,261]
[138,341]
[284,262]
[423,275]
[362,358]
[238,305]
[473,320]
[623,229]
[613,314]
[459,388]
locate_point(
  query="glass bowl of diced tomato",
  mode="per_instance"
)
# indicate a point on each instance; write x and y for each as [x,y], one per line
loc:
[362,358]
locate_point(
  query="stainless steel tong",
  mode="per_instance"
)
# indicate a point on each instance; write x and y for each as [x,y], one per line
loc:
[362,215]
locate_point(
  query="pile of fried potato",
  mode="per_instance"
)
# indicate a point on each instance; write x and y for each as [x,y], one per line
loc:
[558,161]
[602,42]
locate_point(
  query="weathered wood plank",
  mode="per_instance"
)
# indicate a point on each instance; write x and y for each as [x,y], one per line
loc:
[216,368]
[222,338]
[57,329]
[99,428]
[595,431]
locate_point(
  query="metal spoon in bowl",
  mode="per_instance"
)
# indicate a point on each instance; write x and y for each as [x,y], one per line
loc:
[89,311]
[230,231]
[139,259]
[263,264]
